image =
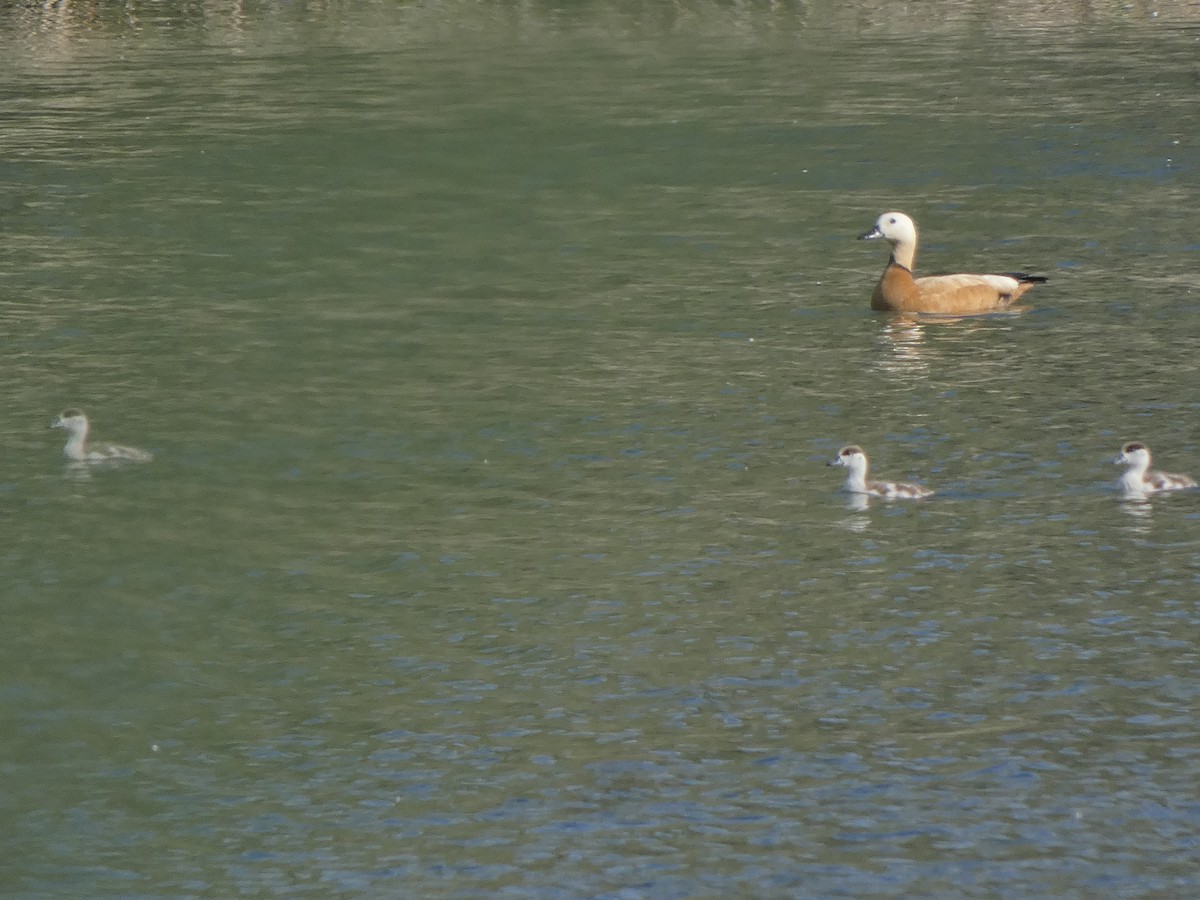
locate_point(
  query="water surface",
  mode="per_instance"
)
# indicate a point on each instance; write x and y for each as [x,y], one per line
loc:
[491,356]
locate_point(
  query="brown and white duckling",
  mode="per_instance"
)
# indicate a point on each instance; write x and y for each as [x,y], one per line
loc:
[952,295]
[78,450]
[854,459]
[1139,479]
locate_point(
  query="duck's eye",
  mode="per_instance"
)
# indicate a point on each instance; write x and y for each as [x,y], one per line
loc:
[892,220]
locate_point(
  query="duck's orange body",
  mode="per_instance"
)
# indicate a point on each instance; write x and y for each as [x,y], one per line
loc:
[953,295]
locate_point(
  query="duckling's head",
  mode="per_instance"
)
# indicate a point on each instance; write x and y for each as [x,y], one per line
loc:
[852,457]
[894,227]
[1133,453]
[71,419]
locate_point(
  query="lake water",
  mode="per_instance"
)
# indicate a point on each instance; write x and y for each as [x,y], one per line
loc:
[491,354]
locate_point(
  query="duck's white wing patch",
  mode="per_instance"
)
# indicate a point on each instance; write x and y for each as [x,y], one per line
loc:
[1001,284]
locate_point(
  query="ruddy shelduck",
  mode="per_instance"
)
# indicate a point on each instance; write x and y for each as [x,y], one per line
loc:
[854,459]
[951,295]
[1140,479]
[78,450]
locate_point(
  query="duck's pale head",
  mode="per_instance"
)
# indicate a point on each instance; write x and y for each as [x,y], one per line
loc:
[894,227]
[71,419]
[1133,453]
[851,456]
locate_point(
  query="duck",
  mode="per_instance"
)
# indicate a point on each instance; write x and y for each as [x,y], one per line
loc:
[1138,477]
[854,459]
[78,450]
[954,295]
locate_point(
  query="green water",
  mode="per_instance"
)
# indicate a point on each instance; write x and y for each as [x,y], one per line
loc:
[491,355]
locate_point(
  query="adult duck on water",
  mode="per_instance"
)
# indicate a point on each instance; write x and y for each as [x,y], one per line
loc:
[950,295]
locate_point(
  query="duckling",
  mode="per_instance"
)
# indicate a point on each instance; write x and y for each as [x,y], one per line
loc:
[854,459]
[954,295]
[78,450]
[1138,479]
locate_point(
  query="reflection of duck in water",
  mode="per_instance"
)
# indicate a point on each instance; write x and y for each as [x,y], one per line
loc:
[854,459]
[1140,479]
[78,450]
[904,340]
[911,343]
[953,295]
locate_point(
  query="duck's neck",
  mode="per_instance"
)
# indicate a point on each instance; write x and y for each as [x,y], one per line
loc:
[904,254]
[856,479]
[76,447]
[1135,476]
